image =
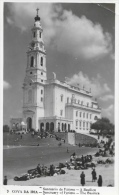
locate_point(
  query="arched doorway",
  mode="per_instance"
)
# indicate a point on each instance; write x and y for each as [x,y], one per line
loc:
[47,126]
[65,126]
[29,123]
[58,127]
[42,127]
[62,126]
[51,126]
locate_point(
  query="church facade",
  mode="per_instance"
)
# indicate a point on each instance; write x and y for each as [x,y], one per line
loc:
[53,105]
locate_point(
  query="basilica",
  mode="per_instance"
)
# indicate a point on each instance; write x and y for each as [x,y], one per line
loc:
[53,105]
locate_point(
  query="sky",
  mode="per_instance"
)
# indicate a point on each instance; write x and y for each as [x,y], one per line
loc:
[79,41]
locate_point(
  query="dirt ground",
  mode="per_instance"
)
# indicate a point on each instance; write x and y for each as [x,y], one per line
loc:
[71,178]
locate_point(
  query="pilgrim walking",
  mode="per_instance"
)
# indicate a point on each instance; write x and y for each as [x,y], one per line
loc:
[82,176]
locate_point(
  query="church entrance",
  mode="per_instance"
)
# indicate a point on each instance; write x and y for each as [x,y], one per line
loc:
[68,127]
[47,126]
[29,123]
[51,127]
[42,127]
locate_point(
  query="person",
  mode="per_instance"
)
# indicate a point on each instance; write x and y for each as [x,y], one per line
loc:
[67,150]
[51,170]
[39,169]
[82,158]
[93,175]
[82,176]
[5,180]
[99,181]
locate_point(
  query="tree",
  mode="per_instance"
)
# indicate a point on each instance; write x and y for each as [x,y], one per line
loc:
[104,125]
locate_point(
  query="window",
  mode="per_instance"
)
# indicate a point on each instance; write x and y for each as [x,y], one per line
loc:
[41,61]
[87,124]
[68,100]
[88,104]
[80,123]
[95,118]
[76,123]
[32,61]
[41,73]
[84,115]
[40,34]
[30,72]
[41,80]
[41,91]
[34,34]
[81,102]
[78,101]
[41,99]
[30,96]
[87,115]
[61,98]
[80,114]
[76,113]
[83,124]
[61,112]
[90,116]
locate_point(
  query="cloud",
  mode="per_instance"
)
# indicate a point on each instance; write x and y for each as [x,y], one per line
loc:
[68,33]
[107,97]
[97,87]
[6,85]
[112,56]
[109,111]
[9,21]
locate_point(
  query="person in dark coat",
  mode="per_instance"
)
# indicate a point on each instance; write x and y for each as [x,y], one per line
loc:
[39,169]
[82,158]
[93,175]
[99,181]
[51,170]
[82,176]
[5,180]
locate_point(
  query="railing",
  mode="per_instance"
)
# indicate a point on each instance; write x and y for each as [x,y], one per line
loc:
[83,106]
[68,86]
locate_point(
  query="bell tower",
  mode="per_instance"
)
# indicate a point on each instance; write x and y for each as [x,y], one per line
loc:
[36,75]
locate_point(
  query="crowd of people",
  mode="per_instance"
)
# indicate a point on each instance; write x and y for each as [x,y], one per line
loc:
[75,163]
[43,171]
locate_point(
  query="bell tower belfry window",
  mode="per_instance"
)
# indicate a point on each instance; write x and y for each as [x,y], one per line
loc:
[41,61]
[32,61]
[36,54]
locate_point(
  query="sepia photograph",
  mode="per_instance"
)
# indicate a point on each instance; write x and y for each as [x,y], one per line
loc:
[58,94]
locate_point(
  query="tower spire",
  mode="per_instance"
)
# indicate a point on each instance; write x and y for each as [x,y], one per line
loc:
[37,11]
[37,18]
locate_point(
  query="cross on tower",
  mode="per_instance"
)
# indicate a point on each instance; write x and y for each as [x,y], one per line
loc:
[37,10]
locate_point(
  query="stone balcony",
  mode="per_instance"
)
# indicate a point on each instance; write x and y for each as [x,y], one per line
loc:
[76,105]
